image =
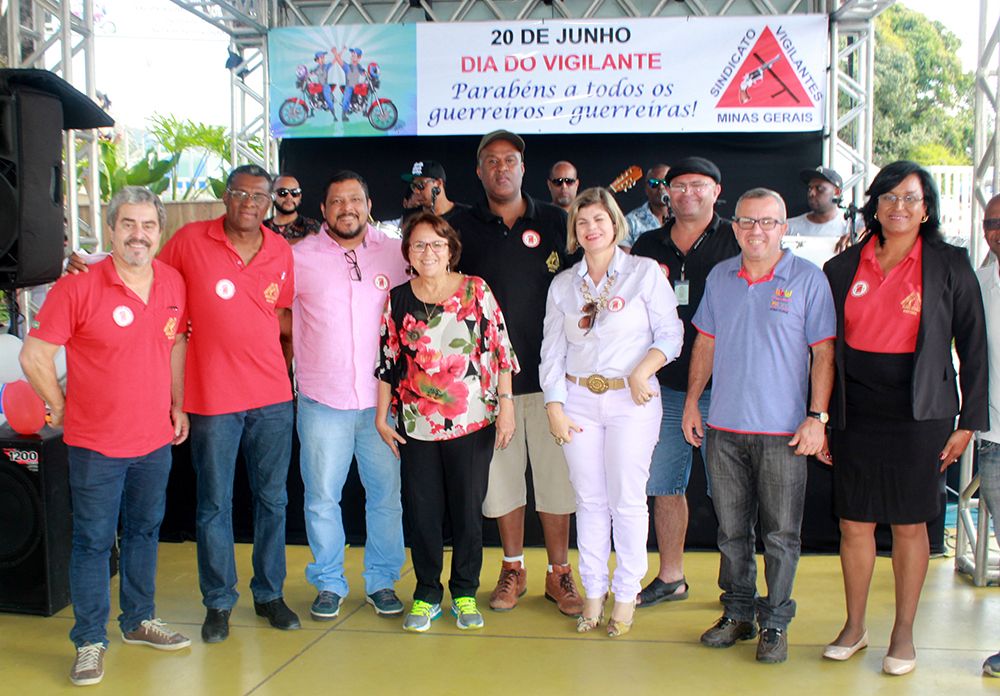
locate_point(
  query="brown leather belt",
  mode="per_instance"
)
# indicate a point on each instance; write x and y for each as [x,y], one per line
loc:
[598,384]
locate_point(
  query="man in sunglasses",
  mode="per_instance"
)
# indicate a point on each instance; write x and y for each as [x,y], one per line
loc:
[688,247]
[655,211]
[563,183]
[287,221]
[427,182]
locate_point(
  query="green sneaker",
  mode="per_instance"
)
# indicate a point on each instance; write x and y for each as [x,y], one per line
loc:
[420,616]
[466,613]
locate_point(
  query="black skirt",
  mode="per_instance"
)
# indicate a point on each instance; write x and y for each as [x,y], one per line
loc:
[885,464]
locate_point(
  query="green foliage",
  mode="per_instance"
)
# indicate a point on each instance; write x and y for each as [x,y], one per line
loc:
[114,175]
[922,97]
[178,136]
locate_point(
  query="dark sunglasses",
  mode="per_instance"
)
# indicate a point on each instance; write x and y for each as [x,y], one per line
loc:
[991,224]
[589,317]
[563,181]
[282,192]
[656,183]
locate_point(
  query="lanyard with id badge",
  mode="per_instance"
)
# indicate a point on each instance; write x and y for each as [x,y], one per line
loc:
[682,286]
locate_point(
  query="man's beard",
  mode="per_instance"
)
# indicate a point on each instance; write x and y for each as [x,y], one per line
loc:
[287,211]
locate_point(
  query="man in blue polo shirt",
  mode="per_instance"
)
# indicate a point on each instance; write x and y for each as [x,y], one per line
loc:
[762,313]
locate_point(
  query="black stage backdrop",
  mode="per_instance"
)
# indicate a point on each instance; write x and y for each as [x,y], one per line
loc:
[746,160]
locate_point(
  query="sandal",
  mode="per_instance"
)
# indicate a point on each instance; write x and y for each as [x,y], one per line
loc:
[585,624]
[658,591]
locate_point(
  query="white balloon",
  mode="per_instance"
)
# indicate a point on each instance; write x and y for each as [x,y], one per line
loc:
[10,349]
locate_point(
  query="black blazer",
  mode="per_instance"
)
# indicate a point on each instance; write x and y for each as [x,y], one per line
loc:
[952,308]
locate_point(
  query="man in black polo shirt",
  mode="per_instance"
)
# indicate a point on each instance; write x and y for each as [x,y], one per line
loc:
[518,244]
[687,247]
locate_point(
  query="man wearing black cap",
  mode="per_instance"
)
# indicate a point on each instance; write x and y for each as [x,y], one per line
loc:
[687,247]
[426,179]
[518,244]
[824,218]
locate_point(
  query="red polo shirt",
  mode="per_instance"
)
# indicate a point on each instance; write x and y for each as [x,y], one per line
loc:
[117,357]
[234,359]
[882,311]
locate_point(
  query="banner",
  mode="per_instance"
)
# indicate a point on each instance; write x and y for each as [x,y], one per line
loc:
[708,74]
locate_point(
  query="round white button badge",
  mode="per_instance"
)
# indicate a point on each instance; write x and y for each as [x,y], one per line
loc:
[531,239]
[122,316]
[225,289]
[382,281]
[859,289]
[616,304]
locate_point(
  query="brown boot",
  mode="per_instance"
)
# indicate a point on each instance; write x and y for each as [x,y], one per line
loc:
[560,589]
[513,583]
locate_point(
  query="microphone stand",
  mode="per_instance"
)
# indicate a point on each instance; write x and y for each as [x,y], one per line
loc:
[851,215]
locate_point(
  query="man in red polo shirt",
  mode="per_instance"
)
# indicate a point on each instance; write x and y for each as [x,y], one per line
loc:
[237,392]
[123,328]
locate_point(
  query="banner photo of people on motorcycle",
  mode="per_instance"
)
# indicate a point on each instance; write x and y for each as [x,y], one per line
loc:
[670,75]
[347,80]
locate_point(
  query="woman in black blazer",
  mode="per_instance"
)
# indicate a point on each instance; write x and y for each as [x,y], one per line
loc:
[902,296]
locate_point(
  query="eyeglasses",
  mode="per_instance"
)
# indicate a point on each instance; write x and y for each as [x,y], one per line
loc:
[242,196]
[563,181]
[282,192]
[437,246]
[355,270]
[908,200]
[656,183]
[991,224]
[767,224]
[695,187]
[589,317]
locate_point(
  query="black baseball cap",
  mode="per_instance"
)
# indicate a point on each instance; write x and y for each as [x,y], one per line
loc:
[513,138]
[428,168]
[825,173]
[694,165]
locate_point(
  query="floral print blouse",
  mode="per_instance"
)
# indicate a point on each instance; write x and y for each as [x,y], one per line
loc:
[444,361]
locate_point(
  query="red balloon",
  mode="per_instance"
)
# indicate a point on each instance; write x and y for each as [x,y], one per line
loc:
[24,409]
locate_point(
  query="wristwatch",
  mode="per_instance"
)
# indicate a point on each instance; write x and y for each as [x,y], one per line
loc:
[822,416]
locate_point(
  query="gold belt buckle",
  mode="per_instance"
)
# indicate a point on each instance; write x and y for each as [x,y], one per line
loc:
[598,384]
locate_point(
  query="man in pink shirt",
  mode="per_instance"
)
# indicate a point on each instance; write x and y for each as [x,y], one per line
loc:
[342,278]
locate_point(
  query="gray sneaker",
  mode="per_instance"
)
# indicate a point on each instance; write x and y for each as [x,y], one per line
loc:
[155,634]
[420,616]
[385,602]
[88,668]
[466,613]
[326,606]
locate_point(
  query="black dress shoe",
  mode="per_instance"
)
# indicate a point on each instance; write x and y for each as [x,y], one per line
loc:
[216,626]
[278,614]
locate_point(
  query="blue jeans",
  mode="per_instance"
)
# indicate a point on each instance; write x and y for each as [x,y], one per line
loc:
[670,469]
[757,475]
[265,436]
[989,479]
[330,438]
[102,487]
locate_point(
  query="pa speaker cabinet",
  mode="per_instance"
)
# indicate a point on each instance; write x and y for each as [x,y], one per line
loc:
[31,198]
[35,522]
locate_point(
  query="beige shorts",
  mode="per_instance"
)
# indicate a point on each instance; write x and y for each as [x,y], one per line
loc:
[508,488]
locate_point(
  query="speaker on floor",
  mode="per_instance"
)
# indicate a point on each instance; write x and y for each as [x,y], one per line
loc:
[35,107]
[35,522]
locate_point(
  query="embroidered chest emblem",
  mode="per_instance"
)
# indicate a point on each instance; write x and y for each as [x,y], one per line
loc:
[271,293]
[553,263]
[911,304]
[170,328]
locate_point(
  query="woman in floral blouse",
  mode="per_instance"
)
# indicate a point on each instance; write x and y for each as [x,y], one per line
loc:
[445,368]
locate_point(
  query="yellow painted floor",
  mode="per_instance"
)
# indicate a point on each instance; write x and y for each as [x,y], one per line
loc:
[531,650]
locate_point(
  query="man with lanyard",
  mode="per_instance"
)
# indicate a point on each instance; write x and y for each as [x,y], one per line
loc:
[518,244]
[342,280]
[287,221]
[321,73]
[123,326]
[352,76]
[654,212]
[687,248]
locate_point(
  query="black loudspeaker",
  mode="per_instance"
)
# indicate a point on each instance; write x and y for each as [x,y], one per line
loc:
[35,522]
[35,107]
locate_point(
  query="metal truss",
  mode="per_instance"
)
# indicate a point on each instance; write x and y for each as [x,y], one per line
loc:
[45,34]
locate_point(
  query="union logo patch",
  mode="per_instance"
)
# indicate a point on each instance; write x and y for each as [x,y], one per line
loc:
[122,316]
[225,289]
[616,304]
[170,328]
[911,304]
[271,293]
[382,281]
[859,289]
[531,239]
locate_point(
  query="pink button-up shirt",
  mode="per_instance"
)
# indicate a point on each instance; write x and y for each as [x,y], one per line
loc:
[336,318]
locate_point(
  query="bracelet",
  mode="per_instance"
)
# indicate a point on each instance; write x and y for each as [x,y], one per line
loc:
[506,396]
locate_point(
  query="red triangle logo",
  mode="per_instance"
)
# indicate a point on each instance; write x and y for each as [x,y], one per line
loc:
[766,79]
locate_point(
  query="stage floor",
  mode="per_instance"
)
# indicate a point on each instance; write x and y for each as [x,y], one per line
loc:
[531,650]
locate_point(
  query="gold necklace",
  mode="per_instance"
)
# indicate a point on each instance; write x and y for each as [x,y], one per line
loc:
[592,307]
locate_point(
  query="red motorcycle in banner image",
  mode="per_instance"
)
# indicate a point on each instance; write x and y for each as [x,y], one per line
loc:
[381,112]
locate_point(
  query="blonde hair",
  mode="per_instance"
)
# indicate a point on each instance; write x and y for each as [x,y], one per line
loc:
[605,199]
